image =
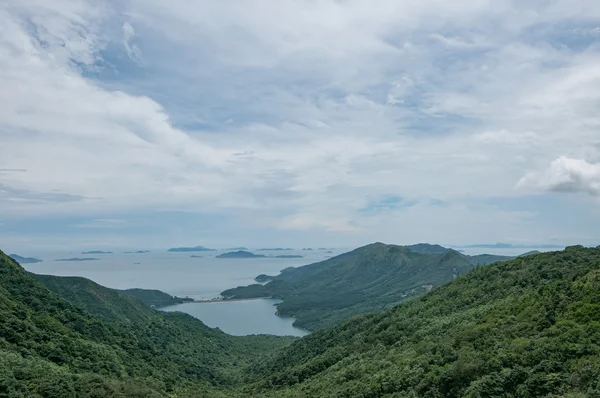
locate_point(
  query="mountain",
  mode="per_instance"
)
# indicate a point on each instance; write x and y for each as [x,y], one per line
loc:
[370,278]
[71,337]
[190,249]
[239,254]
[426,248]
[24,260]
[529,327]
[156,298]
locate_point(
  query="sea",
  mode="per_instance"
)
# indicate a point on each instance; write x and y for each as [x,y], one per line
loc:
[204,277]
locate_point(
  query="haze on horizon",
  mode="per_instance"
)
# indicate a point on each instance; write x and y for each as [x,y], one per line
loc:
[298,123]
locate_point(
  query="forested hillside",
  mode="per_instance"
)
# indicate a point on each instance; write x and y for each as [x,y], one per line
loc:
[97,342]
[372,278]
[524,328]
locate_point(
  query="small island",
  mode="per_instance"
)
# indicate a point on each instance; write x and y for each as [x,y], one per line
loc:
[77,259]
[275,249]
[289,256]
[24,260]
[239,254]
[196,256]
[138,252]
[190,249]
[96,252]
[237,248]
[264,278]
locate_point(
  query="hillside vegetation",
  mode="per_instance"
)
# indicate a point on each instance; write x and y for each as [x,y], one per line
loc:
[75,338]
[372,278]
[524,328]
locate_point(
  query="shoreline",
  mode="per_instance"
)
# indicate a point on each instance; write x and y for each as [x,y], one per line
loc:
[225,300]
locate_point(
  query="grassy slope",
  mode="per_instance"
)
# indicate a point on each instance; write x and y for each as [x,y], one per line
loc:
[369,279]
[525,328]
[99,342]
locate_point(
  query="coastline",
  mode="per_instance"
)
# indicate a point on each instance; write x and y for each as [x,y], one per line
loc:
[225,300]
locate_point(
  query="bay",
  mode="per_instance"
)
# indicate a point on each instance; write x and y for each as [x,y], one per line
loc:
[181,275]
[241,318]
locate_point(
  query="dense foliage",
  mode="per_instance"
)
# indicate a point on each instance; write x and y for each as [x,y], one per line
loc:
[80,339]
[372,278]
[524,328]
[156,298]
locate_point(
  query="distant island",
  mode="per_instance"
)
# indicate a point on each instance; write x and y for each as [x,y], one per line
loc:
[239,254]
[24,260]
[307,248]
[138,252]
[76,259]
[196,256]
[96,252]
[264,278]
[289,256]
[191,249]
[237,248]
[275,249]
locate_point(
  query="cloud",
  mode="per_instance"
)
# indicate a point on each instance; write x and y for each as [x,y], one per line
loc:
[566,175]
[133,51]
[293,116]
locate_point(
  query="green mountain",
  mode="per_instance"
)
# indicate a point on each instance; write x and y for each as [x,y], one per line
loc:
[372,278]
[70,337]
[529,327]
[156,298]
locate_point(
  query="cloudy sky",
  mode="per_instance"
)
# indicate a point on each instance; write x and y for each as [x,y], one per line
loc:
[146,123]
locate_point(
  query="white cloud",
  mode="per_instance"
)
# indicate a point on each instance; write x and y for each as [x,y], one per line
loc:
[566,175]
[329,102]
[132,50]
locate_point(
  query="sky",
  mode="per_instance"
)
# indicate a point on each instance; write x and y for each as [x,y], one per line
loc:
[151,124]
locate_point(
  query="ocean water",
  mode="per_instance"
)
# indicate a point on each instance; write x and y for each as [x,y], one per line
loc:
[181,275]
[241,318]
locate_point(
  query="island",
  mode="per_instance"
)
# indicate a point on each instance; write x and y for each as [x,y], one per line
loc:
[138,252]
[76,259]
[196,256]
[96,252]
[24,260]
[239,254]
[275,249]
[289,256]
[264,278]
[236,248]
[190,249]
